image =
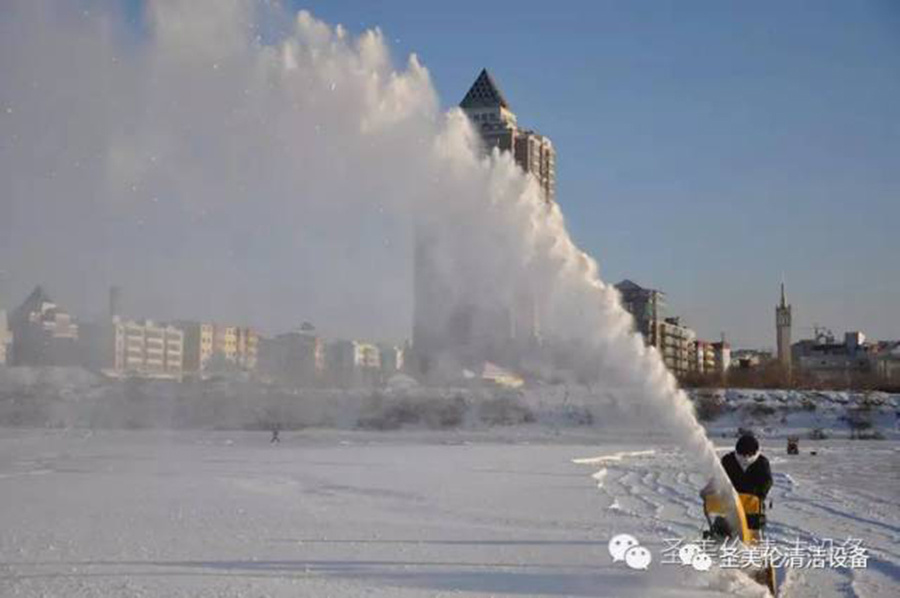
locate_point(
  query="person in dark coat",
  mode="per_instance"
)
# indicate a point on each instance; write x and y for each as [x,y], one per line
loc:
[747,469]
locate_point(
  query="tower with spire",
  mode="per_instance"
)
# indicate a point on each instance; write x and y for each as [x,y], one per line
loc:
[783,331]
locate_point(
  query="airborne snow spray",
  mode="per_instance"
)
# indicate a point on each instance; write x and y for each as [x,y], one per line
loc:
[241,162]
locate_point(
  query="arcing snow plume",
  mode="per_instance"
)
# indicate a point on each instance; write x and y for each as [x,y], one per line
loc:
[233,160]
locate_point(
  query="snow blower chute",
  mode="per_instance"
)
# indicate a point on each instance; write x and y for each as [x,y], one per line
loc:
[738,516]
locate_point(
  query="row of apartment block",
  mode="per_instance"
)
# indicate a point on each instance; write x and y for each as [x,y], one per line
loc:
[301,358]
[41,333]
[145,348]
[677,344]
[148,349]
[44,334]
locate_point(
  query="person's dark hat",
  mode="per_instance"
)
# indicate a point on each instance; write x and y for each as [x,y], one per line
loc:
[747,445]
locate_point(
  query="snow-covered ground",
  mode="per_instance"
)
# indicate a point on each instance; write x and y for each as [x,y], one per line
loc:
[516,511]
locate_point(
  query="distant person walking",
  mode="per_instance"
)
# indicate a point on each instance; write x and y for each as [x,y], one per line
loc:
[275,438]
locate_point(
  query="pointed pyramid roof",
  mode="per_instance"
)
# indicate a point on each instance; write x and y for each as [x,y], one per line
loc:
[484,93]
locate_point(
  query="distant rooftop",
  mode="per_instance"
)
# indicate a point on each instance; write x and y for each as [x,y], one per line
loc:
[630,285]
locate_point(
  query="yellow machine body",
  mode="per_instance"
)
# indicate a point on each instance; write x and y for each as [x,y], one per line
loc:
[735,513]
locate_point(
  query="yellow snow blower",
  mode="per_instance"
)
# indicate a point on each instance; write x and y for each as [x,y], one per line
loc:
[739,516]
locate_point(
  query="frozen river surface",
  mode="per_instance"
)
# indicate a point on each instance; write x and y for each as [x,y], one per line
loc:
[512,513]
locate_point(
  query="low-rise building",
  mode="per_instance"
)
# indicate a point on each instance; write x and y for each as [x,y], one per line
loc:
[352,363]
[392,359]
[747,359]
[703,358]
[710,358]
[495,375]
[208,345]
[676,345]
[887,362]
[828,361]
[294,358]
[722,356]
[146,349]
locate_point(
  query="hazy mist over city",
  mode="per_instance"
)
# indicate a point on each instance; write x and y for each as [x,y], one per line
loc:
[250,158]
[204,171]
[704,149]
[172,147]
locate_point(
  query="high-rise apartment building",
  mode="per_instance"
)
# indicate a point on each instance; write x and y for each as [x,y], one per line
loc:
[487,108]
[468,335]
[675,341]
[646,306]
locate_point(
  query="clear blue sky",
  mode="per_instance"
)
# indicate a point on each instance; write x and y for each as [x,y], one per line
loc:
[704,148]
